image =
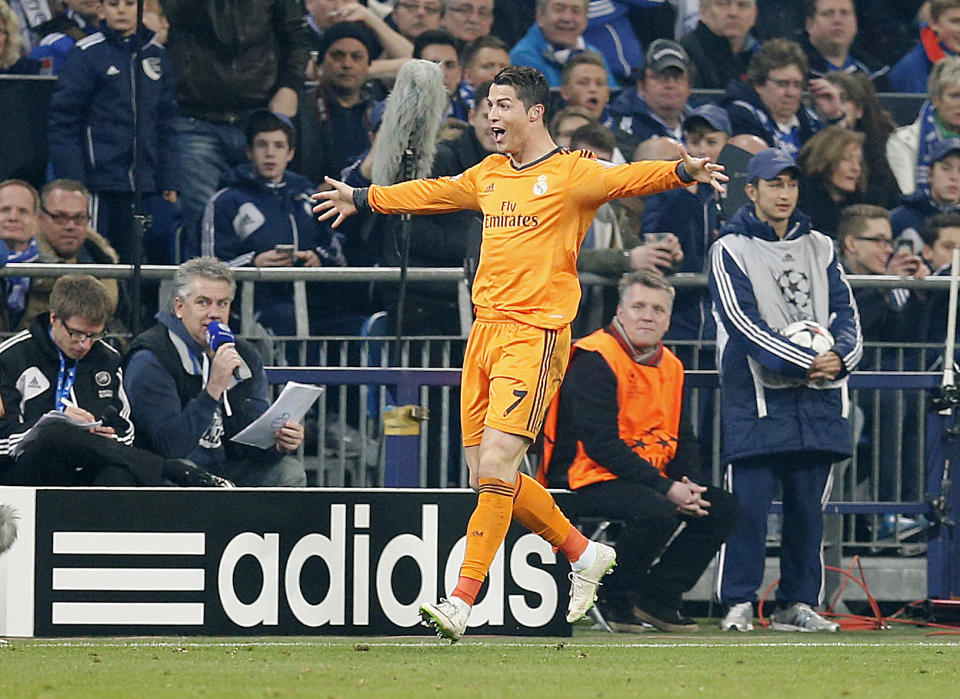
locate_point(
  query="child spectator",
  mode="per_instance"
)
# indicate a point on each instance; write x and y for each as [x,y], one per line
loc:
[940,195]
[263,217]
[91,122]
[938,39]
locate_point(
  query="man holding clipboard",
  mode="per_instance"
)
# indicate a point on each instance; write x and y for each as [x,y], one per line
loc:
[191,394]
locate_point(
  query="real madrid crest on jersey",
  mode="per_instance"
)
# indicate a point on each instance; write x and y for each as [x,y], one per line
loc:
[540,187]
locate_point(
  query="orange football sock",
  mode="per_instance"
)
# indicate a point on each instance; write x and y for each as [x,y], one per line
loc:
[485,532]
[536,509]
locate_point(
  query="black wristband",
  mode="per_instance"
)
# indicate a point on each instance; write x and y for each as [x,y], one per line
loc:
[683,174]
[360,198]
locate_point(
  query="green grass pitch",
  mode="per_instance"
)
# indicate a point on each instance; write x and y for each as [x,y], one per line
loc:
[902,662]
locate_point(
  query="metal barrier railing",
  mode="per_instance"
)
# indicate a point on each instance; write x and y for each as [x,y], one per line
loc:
[346,445]
[436,459]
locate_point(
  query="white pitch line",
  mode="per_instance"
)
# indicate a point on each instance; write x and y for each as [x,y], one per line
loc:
[483,644]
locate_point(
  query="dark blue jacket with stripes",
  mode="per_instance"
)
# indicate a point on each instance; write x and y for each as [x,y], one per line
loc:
[91,124]
[760,284]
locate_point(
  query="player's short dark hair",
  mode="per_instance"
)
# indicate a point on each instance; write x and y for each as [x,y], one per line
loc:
[530,85]
[853,219]
[934,224]
[646,278]
[81,296]
[773,55]
[437,36]
[586,58]
[265,121]
[487,41]
[593,136]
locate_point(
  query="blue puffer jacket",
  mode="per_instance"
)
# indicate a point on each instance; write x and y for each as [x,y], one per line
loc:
[760,284]
[535,51]
[250,215]
[90,129]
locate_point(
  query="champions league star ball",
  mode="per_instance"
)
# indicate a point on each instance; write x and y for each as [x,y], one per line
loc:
[809,334]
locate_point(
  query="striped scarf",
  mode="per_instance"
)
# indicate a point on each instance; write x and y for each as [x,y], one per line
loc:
[17,288]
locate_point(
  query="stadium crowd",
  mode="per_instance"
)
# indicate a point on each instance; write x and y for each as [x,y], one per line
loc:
[220,119]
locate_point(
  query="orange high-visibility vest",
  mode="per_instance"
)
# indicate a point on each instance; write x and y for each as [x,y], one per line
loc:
[649,401]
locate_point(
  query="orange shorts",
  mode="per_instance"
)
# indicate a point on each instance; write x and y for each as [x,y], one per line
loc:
[511,372]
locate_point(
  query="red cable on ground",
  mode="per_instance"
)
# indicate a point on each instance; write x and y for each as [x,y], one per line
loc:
[857,622]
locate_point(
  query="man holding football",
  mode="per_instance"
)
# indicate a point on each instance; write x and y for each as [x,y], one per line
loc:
[785,407]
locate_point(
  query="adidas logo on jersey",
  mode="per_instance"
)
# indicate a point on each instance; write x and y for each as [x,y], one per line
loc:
[113,70]
[33,383]
[488,188]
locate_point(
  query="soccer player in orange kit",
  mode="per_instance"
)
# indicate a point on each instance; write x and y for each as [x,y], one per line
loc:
[538,201]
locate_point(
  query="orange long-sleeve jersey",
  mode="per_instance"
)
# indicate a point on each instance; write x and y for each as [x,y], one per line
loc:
[534,220]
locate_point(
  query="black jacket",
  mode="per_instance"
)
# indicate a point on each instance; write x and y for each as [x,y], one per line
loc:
[815,201]
[716,64]
[231,56]
[29,369]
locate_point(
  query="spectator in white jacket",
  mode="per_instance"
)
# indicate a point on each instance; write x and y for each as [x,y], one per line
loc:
[909,148]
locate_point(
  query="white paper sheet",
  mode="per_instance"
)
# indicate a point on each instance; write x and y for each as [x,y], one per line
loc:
[291,405]
[49,418]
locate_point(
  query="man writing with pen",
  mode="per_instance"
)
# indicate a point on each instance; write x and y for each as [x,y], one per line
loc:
[61,366]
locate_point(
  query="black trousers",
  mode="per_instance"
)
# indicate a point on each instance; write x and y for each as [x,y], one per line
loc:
[652,563]
[66,456]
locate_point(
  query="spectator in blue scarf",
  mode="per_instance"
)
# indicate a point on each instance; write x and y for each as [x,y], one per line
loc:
[19,205]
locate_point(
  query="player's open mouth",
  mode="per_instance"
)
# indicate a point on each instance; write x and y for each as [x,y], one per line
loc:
[497,133]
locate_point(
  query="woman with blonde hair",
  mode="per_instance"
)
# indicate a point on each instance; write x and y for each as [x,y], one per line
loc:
[11,62]
[909,147]
[833,176]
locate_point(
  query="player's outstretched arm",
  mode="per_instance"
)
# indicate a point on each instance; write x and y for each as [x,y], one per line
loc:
[337,201]
[702,170]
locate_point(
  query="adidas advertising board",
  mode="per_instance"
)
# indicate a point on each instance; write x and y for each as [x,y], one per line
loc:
[269,562]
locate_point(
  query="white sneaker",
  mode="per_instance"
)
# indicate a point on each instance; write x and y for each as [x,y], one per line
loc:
[446,617]
[739,617]
[800,617]
[584,583]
